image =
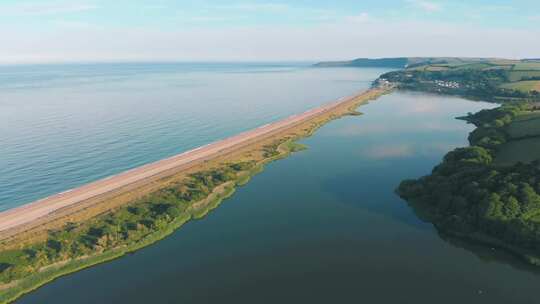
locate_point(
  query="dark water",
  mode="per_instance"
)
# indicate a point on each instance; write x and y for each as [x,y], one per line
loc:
[322,226]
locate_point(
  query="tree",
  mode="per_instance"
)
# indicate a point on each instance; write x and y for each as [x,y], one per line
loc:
[512,209]
[492,206]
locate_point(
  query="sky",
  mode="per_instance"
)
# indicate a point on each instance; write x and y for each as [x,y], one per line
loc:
[33,31]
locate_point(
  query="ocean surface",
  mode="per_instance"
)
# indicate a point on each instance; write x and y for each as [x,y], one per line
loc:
[322,226]
[62,126]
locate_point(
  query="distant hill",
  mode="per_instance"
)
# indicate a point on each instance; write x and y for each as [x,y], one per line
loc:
[410,62]
[399,63]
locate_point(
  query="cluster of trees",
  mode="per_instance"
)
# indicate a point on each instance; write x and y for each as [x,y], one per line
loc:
[125,226]
[473,83]
[490,132]
[468,194]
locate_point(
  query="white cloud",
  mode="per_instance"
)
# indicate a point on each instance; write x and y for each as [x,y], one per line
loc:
[38,9]
[425,5]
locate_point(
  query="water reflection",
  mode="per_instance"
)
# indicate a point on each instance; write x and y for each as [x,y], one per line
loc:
[489,254]
[362,196]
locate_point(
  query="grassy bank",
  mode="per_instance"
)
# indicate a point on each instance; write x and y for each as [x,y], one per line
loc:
[30,262]
[488,192]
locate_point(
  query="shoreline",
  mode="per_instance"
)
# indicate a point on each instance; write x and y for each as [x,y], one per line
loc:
[27,216]
[492,214]
[527,256]
[283,144]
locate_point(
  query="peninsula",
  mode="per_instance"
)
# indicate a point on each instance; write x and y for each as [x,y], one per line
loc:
[120,214]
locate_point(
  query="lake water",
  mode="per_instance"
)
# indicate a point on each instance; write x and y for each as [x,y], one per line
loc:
[322,226]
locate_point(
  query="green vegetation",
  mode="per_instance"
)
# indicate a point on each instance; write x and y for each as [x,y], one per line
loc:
[523,86]
[126,229]
[474,194]
[489,191]
[498,80]
[526,125]
[525,150]
[522,139]
[486,79]
[24,267]
[129,228]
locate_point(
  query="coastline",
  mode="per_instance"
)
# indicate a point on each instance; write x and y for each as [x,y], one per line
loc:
[525,255]
[424,213]
[28,216]
[283,143]
[472,196]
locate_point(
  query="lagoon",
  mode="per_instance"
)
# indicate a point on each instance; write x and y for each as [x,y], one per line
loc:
[323,225]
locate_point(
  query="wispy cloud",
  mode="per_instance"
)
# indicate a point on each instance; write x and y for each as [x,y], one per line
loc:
[495,8]
[154,6]
[39,9]
[360,18]
[207,19]
[256,7]
[425,5]
[77,25]
[385,38]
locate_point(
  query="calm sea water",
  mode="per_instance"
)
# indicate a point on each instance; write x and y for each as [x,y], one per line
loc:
[62,126]
[323,226]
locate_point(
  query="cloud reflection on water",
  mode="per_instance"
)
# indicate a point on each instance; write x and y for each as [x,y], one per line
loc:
[406,150]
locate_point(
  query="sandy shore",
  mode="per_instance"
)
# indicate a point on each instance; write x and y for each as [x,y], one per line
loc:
[38,210]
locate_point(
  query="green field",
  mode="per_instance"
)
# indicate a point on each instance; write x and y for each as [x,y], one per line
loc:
[525,86]
[523,140]
[528,65]
[524,150]
[518,75]
[527,126]
[460,65]
[473,66]
[527,116]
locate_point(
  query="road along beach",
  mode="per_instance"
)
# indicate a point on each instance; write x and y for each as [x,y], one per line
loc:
[29,216]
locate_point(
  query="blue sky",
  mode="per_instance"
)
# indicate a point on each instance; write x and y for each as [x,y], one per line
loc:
[96,30]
